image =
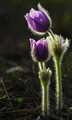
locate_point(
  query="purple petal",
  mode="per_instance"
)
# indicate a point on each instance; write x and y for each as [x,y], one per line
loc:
[41,51]
[45,14]
[32,42]
[31,22]
[38,16]
[46,52]
[34,13]
[40,47]
[35,25]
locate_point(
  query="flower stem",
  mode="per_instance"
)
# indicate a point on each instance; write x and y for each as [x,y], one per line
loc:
[41,65]
[51,33]
[45,101]
[58,85]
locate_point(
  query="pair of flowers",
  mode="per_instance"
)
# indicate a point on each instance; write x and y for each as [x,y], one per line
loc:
[39,22]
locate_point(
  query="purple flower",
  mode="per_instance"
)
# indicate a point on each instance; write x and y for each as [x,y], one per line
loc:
[39,50]
[38,21]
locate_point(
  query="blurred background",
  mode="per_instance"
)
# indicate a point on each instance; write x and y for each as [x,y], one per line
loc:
[14,33]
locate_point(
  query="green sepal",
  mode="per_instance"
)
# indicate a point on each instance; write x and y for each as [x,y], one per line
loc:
[44,76]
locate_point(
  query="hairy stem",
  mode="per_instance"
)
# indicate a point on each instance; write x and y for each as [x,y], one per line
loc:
[41,65]
[58,85]
[45,102]
[51,33]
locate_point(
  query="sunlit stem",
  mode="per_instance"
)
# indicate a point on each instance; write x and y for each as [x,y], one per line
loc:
[58,85]
[45,101]
[50,33]
[41,65]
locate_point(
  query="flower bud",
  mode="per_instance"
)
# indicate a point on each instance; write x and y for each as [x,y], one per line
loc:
[39,50]
[38,21]
[44,76]
[58,46]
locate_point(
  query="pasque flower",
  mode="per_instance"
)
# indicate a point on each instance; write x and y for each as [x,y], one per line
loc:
[39,50]
[38,21]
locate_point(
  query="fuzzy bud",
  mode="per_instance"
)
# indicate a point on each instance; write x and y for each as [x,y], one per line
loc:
[58,46]
[44,76]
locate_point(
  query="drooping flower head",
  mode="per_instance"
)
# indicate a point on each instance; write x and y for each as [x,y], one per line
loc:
[38,21]
[39,50]
[58,45]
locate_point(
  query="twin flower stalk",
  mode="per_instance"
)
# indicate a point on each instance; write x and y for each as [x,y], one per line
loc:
[39,22]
